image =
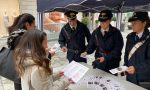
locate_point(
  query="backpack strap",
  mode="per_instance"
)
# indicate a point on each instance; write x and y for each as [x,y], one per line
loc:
[72,38]
[104,52]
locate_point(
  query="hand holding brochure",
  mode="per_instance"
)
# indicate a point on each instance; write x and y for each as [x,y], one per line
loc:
[55,47]
[119,69]
[83,55]
[75,71]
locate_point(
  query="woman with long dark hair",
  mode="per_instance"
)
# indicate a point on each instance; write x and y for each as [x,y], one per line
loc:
[22,23]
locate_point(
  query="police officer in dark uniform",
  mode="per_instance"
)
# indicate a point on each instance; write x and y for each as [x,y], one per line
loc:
[137,51]
[108,43]
[72,38]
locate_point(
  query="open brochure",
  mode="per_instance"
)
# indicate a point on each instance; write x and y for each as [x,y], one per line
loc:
[119,69]
[75,71]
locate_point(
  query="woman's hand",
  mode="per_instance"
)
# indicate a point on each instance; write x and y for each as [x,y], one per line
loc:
[70,81]
[61,73]
[52,52]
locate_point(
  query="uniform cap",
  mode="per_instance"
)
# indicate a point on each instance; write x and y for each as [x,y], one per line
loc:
[143,16]
[105,15]
[71,14]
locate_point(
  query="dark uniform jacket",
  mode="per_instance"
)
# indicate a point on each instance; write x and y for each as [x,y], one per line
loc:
[140,59]
[108,46]
[74,40]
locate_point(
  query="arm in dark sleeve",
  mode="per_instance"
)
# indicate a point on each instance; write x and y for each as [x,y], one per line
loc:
[126,54]
[145,65]
[91,45]
[87,34]
[116,52]
[62,39]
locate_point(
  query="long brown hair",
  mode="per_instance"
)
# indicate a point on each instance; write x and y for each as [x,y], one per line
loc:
[31,41]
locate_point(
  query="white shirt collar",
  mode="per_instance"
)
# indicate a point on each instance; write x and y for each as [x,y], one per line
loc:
[140,34]
[73,26]
[102,30]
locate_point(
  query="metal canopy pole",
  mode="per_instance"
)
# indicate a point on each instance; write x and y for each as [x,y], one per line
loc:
[119,15]
[119,19]
[93,21]
[40,21]
[91,16]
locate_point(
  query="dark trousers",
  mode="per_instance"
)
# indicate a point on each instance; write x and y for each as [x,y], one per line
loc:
[17,86]
[74,55]
[77,58]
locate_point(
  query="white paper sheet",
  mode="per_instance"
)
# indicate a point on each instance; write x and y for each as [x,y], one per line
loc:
[75,71]
[83,56]
[55,47]
[119,69]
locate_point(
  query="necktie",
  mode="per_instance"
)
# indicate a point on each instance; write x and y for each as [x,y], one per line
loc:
[105,32]
[73,28]
[137,38]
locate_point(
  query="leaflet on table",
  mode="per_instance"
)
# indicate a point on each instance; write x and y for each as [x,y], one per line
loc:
[75,71]
[119,69]
[101,83]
